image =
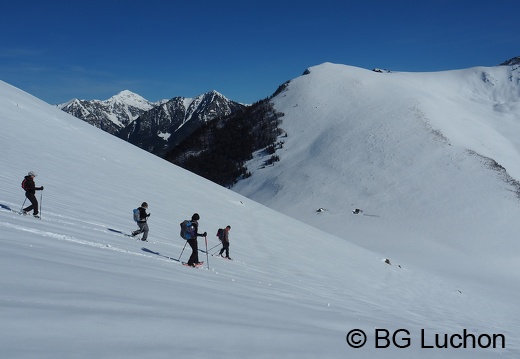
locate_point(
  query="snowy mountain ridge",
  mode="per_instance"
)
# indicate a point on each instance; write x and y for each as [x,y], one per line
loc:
[510,62]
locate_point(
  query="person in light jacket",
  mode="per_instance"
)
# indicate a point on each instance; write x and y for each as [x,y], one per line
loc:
[143,222]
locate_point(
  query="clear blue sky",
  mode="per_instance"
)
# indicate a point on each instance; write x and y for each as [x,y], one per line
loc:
[59,50]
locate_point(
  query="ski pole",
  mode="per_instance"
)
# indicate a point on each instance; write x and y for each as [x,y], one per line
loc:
[207,256]
[182,251]
[21,209]
[41,200]
[218,250]
[215,246]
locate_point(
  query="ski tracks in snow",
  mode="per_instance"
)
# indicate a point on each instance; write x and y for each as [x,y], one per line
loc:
[72,239]
[69,222]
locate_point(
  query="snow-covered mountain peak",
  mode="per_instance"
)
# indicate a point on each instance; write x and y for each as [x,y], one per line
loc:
[127,97]
[209,95]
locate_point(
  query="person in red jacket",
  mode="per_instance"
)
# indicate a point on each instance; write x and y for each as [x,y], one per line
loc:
[30,192]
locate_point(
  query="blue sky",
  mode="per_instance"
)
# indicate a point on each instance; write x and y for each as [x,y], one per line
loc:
[59,50]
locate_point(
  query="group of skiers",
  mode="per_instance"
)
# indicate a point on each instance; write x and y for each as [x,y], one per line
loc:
[193,261]
[141,218]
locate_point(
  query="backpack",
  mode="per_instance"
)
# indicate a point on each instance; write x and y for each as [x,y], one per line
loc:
[137,216]
[23,184]
[220,233]
[187,230]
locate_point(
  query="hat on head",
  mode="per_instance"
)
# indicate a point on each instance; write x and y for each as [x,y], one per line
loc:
[195,217]
[32,173]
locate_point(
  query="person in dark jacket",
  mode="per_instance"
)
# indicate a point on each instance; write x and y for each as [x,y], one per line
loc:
[142,223]
[30,192]
[225,242]
[194,258]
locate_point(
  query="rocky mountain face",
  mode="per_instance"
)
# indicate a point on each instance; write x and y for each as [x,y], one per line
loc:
[110,115]
[165,126]
[511,62]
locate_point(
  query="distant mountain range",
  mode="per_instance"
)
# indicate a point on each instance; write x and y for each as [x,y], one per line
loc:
[153,126]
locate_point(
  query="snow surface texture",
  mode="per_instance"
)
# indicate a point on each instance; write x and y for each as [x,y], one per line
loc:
[73,287]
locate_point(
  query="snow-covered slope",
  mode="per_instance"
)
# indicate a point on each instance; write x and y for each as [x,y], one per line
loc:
[424,155]
[74,288]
